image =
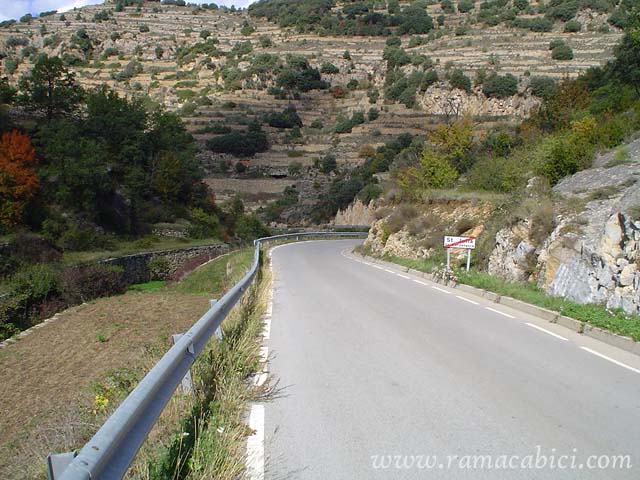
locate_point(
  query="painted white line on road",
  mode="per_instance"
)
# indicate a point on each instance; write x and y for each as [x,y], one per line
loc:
[260,378]
[623,365]
[421,282]
[390,271]
[266,333]
[547,331]
[255,444]
[499,312]
[264,354]
[403,276]
[467,300]
[441,289]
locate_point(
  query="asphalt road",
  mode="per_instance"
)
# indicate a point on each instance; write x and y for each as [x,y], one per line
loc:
[386,377]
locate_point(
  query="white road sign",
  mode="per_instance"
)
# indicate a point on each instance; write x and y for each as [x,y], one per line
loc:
[468,243]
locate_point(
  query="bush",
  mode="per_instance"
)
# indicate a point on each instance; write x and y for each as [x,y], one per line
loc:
[373,114]
[497,86]
[562,52]
[249,227]
[328,164]
[240,144]
[144,28]
[203,225]
[288,118]
[447,6]
[35,282]
[394,42]
[564,11]
[465,6]
[459,80]
[543,87]
[572,26]
[84,283]
[13,42]
[82,237]
[329,68]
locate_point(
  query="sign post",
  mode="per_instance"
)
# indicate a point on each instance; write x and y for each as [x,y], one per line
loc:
[465,243]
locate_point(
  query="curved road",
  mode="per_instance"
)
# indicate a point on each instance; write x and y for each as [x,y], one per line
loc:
[390,376]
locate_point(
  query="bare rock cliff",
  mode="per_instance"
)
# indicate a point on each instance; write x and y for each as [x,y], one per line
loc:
[592,254]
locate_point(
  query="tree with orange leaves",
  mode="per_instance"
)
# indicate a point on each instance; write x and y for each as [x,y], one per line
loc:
[18,179]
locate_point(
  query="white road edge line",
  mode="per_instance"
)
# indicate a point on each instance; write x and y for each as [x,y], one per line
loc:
[547,331]
[390,271]
[255,444]
[499,312]
[264,354]
[441,289]
[403,276]
[420,282]
[266,332]
[623,365]
[467,300]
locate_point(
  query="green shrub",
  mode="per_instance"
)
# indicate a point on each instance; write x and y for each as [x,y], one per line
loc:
[497,86]
[14,315]
[36,282]
[394,41]
[203,225]
[459,80]
[249,227]
[447,6]
[562,155]
[82,237]
[543,87]
[240,144]
[562,52]
[373,114]
[288,118]
[562,10]
[329,68]
[465,6]
[572,26]
[328,164]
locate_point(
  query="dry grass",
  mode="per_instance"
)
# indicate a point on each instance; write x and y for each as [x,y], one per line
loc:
[46,377]
[51,378]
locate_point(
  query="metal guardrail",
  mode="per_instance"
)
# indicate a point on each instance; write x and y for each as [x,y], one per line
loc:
[109,453]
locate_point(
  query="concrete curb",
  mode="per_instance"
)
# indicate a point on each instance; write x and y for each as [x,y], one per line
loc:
[610,338]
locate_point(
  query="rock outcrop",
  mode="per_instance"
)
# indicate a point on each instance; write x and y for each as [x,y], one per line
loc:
[356,214]
[592,254]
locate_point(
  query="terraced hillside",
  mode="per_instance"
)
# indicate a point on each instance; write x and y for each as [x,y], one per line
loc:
[229,71]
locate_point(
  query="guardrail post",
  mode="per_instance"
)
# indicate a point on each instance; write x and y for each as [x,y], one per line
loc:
[57,463]
[218,332]
[186,385]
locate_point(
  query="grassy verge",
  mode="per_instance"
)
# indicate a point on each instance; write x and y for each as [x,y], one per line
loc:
[61,382]
[210,439]
[614,320]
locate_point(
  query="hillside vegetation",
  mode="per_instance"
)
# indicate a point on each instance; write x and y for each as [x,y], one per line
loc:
[357,75]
